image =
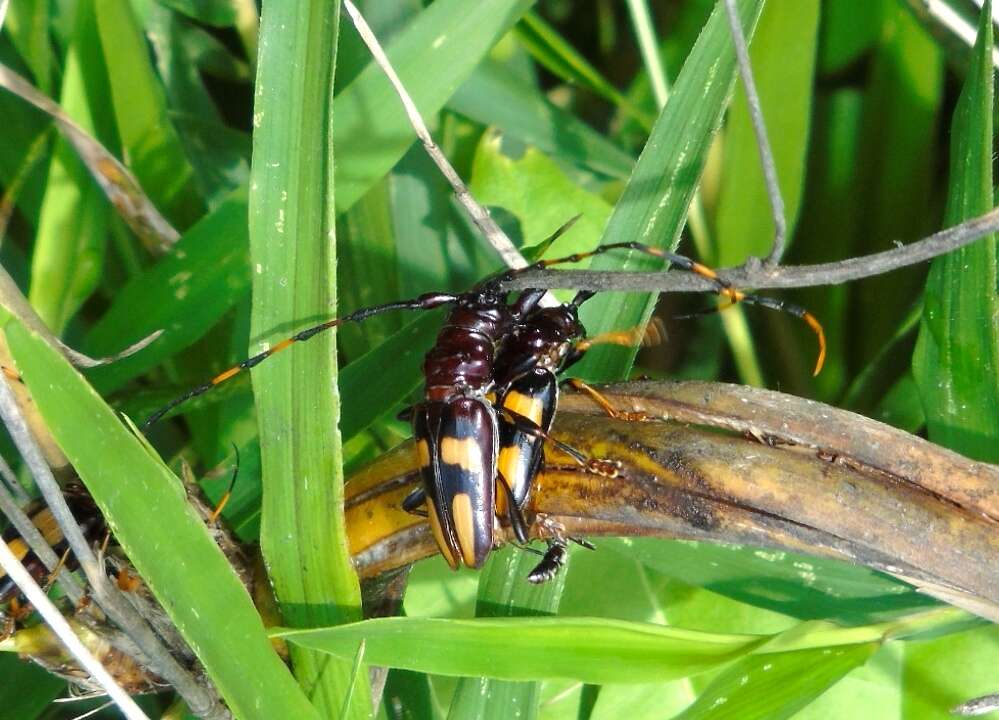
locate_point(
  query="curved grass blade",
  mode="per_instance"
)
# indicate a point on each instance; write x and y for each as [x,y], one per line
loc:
[594,650]
[653,207]
[776,685]
[957,353]
[162,536]
[292,248]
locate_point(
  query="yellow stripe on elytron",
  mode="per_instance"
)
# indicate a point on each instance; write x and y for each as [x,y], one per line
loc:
[423,453]
[465,453]
[525,405]
[48,527]
[511,459]
[19,548]
[435,527]
[464,526]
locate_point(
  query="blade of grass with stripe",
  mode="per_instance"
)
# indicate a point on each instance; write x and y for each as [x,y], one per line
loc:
[957,353]
[292,251]
[167,542]
[653,207]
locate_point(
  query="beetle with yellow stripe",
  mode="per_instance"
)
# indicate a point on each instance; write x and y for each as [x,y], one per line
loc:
[490,397]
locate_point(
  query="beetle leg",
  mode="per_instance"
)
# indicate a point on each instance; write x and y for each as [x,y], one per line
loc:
[414,501]
[580,386]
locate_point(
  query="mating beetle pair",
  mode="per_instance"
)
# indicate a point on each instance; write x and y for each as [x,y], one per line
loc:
[490,397]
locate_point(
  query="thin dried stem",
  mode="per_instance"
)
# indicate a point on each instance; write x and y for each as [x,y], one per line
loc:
[17,492]
[762,140]
[54,619]
[754,275]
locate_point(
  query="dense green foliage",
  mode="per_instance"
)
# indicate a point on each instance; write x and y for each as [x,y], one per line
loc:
[882,132]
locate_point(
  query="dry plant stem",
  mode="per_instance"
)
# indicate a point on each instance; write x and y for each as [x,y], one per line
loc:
[13,486]
[754,275]
[117,182]
[762,140]
[10,508]
[202,701]
[476,211]
[877,496]
[54,619]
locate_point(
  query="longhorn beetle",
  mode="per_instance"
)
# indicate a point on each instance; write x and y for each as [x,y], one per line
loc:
[457,427]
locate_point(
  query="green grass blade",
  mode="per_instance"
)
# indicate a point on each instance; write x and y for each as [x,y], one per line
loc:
[796,585]
[957,353]
[776,685]
[69,248]
[292,249]
[184,294]
[594,650]
[148,137]
[505,592]
[162,536]
[555,53]
[433,55]
[653,207]
[494,95]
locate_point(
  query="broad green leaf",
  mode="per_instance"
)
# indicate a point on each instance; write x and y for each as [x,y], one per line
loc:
[957,354]
[849,29]
[433,56]
[588,649]
[539,194]
[69,248]
[653,207]
[194,582]
[901,406]
[366,247]
[293,252]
